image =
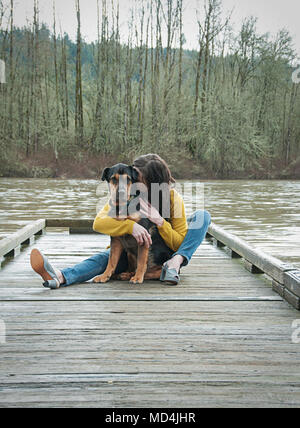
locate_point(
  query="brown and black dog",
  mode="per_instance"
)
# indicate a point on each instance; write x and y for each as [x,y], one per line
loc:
[143,262]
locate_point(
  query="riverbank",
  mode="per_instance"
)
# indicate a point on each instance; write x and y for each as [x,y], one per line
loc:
[89,166]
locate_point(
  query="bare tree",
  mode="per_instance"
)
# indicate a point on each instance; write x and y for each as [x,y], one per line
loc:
[78,95]
[11,69]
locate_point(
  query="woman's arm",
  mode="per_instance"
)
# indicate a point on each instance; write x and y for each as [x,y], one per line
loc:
[107,225]
[173,233]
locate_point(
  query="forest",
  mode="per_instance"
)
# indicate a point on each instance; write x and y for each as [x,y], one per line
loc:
[228,109]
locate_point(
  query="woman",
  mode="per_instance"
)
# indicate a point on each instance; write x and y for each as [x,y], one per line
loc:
[181,235]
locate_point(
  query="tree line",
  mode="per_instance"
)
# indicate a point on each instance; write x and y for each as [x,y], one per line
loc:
[228,107]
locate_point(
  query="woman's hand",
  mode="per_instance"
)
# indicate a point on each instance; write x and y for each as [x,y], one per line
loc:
[151,213]
[141,235]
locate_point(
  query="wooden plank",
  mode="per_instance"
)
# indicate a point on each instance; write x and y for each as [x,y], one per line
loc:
[40,232]
[217,243]
[242,312]
[290,291]
[221,338]
[151,377]
[116,394]
[89,354]
[272,266]
[29,241]
[149,290]
[152,298]
[67,223]
[292,281]
[251,268]
[292,299]
[15,252]
[232,254]
[279,288]
[203,277]
[8,244]
[82,231]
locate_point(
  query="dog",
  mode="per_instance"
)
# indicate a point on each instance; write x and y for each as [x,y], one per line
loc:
[143,263]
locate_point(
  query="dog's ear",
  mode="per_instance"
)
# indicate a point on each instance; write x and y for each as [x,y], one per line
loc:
[134,174]
[105,174]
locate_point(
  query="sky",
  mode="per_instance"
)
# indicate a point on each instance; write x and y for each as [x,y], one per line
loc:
[272,15]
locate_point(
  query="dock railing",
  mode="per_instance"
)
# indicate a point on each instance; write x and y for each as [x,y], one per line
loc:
[285,277]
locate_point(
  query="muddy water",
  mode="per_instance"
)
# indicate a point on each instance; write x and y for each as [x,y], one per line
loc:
[265,213]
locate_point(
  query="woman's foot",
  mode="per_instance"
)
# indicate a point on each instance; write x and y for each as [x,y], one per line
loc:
[175,263]
[53,278]
[171,269]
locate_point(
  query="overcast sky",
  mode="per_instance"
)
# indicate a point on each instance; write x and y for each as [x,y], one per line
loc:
[272,15]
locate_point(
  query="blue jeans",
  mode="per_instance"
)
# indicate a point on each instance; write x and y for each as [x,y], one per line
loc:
[198,224]
[96,265]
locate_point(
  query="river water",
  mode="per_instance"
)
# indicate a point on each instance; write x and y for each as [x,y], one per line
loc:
[265,213]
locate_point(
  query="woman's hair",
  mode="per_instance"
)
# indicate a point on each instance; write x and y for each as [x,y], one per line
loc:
[154,169]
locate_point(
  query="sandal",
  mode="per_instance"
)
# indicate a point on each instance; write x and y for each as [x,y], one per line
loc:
[40,265]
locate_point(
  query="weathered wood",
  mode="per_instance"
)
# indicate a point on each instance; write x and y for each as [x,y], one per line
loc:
[29,241]
[7,245]
[279,288]
[251,268]
[70,223]
[292,281]
[82,231]
[217,243]
[272,266]
[235,247]
[232,254]
[40,232]
[117,393]
[14,253]
[85,354]
[221,338]
[292,299]
[153,298]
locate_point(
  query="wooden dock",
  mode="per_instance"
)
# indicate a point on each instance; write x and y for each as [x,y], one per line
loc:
[223,338]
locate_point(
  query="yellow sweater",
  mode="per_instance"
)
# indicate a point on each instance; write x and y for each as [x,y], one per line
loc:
[173,233]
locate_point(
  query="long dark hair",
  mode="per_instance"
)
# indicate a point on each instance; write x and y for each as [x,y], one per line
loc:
[155,170]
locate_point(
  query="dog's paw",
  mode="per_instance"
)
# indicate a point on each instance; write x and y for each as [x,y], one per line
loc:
[125,276]
[102,279]
[137,279]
